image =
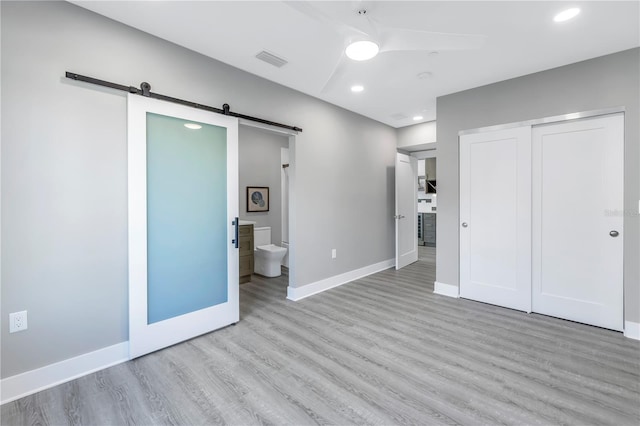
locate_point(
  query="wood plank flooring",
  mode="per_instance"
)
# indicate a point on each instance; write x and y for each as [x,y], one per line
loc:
[383,350]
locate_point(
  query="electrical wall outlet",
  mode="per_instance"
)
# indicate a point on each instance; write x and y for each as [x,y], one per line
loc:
[17,321]
[333,253]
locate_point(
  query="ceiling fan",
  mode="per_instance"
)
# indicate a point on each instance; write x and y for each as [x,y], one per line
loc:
[370,37]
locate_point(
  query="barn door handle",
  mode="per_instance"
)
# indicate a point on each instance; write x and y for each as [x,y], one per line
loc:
[614,233]
[236,241]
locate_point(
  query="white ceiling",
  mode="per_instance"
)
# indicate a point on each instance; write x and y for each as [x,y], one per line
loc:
[521,39]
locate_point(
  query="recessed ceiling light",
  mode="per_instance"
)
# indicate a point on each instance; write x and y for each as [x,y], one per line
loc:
[362,50]
[192,126]
[565,15]
[357,88]
[417,117]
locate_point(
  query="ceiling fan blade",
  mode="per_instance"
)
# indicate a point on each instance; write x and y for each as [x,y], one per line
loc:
[338,71]
[316,14]
[401,39]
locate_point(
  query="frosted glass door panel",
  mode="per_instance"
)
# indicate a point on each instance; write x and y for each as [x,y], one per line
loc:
[186,217]
[183,206]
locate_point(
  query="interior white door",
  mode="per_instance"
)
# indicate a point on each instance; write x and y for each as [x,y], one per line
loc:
[577,220]
[495,217]
[406,217]
[183,206]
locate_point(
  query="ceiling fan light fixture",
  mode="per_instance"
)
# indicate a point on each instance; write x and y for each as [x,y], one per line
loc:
[357,88]
[565,15]
[362,50]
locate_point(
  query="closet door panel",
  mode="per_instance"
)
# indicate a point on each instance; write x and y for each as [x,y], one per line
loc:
[495,220]
[577,212]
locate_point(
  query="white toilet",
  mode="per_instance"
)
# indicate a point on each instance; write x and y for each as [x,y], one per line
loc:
[267,257]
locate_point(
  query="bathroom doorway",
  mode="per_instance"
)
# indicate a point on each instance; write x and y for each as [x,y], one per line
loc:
[265,193]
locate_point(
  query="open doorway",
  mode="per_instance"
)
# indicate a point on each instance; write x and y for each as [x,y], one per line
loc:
[427,204]
[265,173]
[416,191]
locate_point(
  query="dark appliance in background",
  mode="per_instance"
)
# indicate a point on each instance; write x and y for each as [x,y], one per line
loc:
[427,229]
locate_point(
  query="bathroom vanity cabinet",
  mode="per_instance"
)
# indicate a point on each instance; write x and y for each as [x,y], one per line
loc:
[245,233]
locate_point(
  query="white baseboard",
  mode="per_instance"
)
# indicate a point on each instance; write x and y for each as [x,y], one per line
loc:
[632,330]
[33,381]
[446,289]
[298,293]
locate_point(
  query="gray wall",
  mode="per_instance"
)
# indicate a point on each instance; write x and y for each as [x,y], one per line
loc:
[418,136]
[608,81]
[259,165]
[64,173]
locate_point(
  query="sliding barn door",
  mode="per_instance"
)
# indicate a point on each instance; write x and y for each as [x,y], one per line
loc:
[495,217]
[183,200]
[577,220]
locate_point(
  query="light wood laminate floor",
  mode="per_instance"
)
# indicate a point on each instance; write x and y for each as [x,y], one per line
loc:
[382,350]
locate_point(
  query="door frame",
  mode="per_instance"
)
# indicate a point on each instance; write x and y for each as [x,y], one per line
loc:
[284,205]
[143,337]
[292,136]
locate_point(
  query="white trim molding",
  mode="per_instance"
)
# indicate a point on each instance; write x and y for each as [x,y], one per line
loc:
[443,289]
[298,293]
[632,330]
[42,378]
[545,120]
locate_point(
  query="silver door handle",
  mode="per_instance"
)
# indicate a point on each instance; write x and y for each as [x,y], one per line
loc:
[465,224]
[614,233]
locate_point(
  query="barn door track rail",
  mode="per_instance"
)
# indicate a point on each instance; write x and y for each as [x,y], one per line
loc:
[145,90]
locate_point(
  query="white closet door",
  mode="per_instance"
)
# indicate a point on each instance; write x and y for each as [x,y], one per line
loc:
[577,212]
[495,217]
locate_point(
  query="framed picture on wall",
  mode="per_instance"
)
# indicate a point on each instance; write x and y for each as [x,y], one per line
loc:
[257,198]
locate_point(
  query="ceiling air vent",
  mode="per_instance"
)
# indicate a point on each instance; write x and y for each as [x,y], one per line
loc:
[270,58]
